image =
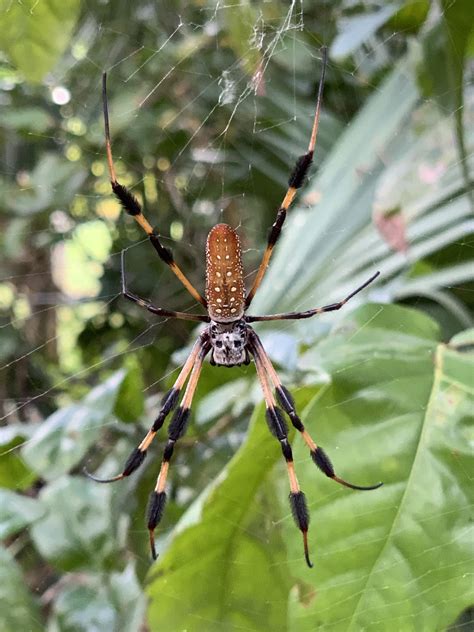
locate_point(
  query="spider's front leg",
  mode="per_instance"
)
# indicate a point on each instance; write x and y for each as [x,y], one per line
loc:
[152,308]
[295,182]
[332,307]
[133,207]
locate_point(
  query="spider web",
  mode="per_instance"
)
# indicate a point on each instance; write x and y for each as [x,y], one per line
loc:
[210,176]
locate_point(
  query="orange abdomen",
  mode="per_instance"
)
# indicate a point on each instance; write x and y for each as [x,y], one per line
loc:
[225,291]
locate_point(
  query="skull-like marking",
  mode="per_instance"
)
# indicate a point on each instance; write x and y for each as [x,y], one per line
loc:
[229,343]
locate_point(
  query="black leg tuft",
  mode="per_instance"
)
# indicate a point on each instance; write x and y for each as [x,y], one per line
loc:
[285,398]
[322,460]
[287,402]
[276,423]
[298,176]
[179,423]
[165,254]
[275,230]
[287,452]
[168,402]
[168,451]
[127,200]
[134,461]
[324,464]
[156,507]
[299,510]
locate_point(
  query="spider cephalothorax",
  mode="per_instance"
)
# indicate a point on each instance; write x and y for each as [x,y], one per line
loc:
[229,342]
[229,338]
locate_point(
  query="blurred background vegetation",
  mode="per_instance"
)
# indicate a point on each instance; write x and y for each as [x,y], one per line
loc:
[210,104]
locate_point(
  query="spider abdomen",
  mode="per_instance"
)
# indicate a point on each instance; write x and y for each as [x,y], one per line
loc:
[225,291]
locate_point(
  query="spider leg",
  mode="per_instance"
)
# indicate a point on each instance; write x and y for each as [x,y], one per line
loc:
[132,206]
[151,308]
[317,310]
[286,401]
[168,402]
[277,426]
[176,430]
[295,182]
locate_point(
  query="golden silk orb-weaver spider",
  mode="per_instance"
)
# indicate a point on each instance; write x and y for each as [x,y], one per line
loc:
[228,337]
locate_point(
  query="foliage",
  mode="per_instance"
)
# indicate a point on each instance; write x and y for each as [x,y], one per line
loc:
[387,376]
[34,34]
[210,105]
[391,378]
[396,407]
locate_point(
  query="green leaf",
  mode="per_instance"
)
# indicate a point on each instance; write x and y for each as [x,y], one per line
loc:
[327,251]
[311,245]
[95,604]
[445,49]
[54,182]
[35,34]
[130,402]
[14,472]
[225,568]
[240,25]
[32,119]
[410,17]
[355,30]
[77,530]
[16,512]
[222,399]
[459,19]
[397,410]
[463,341]
[18,611]
[64,438]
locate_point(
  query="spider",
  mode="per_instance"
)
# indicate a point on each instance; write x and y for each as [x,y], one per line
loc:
[228,337]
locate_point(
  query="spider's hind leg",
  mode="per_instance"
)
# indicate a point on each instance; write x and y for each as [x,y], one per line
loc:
[277,426]
[318,455]
[176,430]
[286,401]
[168,403]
